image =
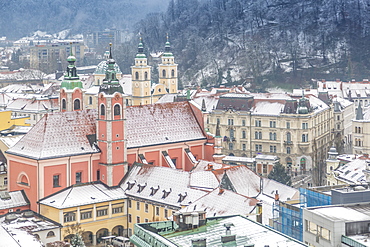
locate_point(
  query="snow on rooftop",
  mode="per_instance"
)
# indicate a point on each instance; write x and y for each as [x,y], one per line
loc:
[17,199]
[15,238]
[343,213]
[268,108]
[204,180]
[10,141]
[160,184]
[352,172]
[223,203]
[58,134]
[160,124]
[247,232]
[84,194]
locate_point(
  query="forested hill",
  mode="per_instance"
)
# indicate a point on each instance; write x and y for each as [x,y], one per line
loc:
[20,18]
[286,41]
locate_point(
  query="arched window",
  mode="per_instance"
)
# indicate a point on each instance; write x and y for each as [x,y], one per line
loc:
[146,75]
[136,75]
[23,179]
[117,110]
[64,104]
[76,104]
[359,130]
[102,110]
[303,164]
[50,234]
[173,73]
[163,73]
[90,100]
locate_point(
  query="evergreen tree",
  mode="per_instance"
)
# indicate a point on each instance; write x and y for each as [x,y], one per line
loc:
[279,174]
[77,241]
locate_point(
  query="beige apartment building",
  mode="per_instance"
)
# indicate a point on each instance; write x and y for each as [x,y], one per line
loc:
[296,129]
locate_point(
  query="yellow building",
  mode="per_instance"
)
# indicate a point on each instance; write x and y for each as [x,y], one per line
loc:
[7,121]
[99,210]
[296,129]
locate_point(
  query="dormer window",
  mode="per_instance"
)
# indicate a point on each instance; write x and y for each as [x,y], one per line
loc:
[166,192]
[130,184]
[141,187]
[154,190]
[182,196]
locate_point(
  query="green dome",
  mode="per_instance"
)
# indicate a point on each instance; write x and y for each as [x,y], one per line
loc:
[71,58]
[103,66]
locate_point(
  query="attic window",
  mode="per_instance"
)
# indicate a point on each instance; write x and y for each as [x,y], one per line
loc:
[141,187]
[182,196]
[130,185]
[166,193]
[154,190]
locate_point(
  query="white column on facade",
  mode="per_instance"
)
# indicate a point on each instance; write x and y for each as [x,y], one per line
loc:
[78,218]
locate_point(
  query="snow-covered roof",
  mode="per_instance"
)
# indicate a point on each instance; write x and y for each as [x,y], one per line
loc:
[267,108]
[167,98]
[352,172]
[35,105]
[126,84]
[102,67]
[204,180]
[160,184]
[246,230]
[238,159]
[59,134]
[12,237]
[203,165]
[345,213]
[10,141]
[13,199]
[83,194]
[160,124]
[223,203]
[286,193]
[66,133]
[237,176]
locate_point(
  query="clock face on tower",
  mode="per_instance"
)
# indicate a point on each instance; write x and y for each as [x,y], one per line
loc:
[146,84]
[136,84]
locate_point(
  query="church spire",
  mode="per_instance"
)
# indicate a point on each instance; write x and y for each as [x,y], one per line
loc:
[359,114]
[110,83]
[71,79]
[140,50]
[167,48]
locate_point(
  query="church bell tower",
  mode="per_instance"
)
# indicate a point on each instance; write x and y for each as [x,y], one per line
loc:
[71,90]
[111,127]
[141,78]
[168,70]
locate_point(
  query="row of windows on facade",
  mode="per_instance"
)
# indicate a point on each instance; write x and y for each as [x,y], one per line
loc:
[258,123]
[24,114]
[146,208]
[88,214]
[146,74]
[258,135]
[258,148]
[77,106]
[78,176]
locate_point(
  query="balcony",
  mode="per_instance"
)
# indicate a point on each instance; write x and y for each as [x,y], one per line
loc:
[288,143]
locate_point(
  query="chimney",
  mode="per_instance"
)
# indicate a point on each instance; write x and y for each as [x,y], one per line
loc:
[259,212]
[277,196]
[221,191]
[202,242]
[210,167]
[228,237]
